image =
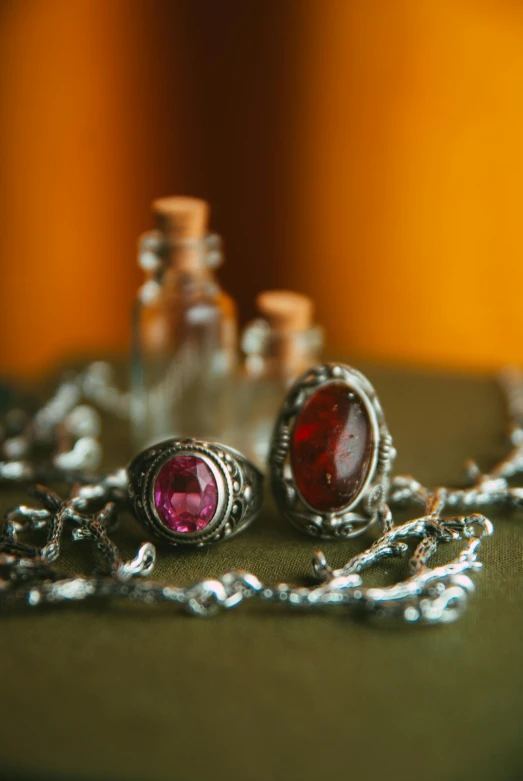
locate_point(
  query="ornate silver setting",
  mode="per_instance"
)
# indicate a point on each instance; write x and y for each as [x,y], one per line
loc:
[369,503]
[239,484]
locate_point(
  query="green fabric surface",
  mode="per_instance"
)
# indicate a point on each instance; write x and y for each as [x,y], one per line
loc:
[263,692]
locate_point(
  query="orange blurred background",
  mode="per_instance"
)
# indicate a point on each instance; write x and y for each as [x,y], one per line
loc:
[367,153]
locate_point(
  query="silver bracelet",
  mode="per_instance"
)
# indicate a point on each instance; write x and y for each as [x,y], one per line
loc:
[29,577]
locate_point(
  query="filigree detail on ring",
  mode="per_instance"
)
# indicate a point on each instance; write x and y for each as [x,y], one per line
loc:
[313,496]
[229,486]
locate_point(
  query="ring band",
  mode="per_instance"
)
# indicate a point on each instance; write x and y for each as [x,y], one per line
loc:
[190,492]
[331,453]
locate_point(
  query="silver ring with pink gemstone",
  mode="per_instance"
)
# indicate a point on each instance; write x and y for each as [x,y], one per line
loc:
[331,454]
[190,492]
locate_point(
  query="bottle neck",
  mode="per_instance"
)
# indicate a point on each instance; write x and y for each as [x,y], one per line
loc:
[186,257]
[280,354]
[180,263]
[186,269]
[289,354]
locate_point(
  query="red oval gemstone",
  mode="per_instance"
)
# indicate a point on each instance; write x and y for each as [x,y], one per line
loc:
[332,447]
[185,494]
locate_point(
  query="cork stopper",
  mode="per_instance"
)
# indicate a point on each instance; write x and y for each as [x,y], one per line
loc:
[286,311]
[181,217]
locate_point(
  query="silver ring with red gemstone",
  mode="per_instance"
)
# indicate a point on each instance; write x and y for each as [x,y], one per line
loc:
[190,492]
[331,454]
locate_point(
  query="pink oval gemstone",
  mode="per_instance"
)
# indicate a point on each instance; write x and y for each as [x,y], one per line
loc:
[332,447]
[185,494]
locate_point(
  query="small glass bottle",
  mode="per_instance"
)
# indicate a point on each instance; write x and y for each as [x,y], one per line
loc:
[184,330]
[278,348]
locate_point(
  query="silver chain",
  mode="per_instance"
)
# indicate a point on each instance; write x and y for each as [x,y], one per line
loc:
[29,576]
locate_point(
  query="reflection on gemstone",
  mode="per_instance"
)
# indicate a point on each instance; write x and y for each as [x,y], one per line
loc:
[185,494]
[332,446]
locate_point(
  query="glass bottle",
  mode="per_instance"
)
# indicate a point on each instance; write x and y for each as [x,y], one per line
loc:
[278,348]
[184,330]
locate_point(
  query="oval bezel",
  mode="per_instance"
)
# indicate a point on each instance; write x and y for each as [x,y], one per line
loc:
[374,433]
[155,458]
[238,481]
[362,511]
[220,476]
